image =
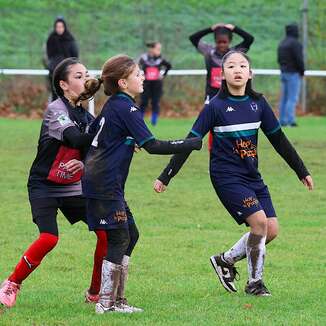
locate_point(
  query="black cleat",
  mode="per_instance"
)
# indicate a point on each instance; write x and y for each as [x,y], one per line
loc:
[225,272]
[257,288]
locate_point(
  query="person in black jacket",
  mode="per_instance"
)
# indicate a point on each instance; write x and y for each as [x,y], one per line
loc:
[290,59]
[152,63]
[213,55]
[60,45]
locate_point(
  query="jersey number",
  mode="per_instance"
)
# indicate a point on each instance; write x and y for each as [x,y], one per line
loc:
[95,140]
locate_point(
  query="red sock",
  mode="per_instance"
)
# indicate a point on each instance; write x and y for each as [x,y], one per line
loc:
[33,257]
[99,254]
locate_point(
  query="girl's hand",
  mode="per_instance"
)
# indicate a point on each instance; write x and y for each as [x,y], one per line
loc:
[229,26]
[137,149]
[307,181]
[159,186]
[213,27]
[74,166]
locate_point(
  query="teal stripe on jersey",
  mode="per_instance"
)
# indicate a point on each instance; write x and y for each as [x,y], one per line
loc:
[274,130]
[146,140]
[196,133]
[237,134]
[238,99]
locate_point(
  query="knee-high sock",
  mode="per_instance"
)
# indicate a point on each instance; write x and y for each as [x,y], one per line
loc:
[33,257]
[256,250]
[237,251]
[99,254]
[109,283]
[123,278]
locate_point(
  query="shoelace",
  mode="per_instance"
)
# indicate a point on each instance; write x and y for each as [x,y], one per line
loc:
[235,273]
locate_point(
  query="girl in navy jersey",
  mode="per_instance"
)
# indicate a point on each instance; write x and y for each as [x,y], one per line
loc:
[234,117]
[54,179]
[213,54]
[152,63]
[120,127]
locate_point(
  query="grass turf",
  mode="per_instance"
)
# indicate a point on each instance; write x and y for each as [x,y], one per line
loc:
[171,277]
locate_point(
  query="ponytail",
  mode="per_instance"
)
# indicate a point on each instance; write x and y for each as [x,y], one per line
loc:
[91,87]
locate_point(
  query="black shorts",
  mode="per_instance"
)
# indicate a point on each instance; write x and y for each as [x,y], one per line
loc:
[241,201]
[101,214]
[45,210]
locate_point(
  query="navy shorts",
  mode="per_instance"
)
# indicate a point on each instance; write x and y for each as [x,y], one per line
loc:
[243,200]
[102,214]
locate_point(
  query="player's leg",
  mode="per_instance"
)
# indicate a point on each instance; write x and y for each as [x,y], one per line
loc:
[256,251]
[134,235]
[74,209]
[44,212]
[283,101]
[157,90]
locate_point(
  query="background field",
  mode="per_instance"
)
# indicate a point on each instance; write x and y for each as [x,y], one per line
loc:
[105,28]
[171,277]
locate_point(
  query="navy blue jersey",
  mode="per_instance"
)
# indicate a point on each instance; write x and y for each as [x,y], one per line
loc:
[235,122]
[120,127]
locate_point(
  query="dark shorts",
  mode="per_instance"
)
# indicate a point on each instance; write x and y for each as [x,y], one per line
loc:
[102,214]
[45,210]
[242,201]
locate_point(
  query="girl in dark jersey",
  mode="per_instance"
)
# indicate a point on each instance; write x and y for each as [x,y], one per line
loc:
[213,55]
[120,127]
[234,117]
[152,63]
[54,179]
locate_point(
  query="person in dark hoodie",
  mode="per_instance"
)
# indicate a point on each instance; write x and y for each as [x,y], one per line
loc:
[59,46]
[290,59]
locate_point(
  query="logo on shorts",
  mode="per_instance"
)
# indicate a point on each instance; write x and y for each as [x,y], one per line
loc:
[254,106]
[103,221]
[239,213]
[250,202]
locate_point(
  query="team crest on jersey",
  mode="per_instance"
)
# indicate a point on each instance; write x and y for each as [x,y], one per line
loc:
[254,106]
[133,109]
[63,119]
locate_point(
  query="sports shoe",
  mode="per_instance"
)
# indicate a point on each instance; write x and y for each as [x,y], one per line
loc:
[91,298]
[101,309]
[225,272]
[8,293]
[257,288]
[123,303]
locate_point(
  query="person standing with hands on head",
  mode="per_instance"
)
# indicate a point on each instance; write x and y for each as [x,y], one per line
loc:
[213,54]
[120,127]
[54,181]
[152,64]
[60,45]
[234,117]
[290,59]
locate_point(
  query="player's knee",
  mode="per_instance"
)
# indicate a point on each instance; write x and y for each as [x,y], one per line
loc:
[259,225]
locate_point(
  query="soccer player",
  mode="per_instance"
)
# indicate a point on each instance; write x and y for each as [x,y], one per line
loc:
[223,34]
[152,63]
[54,179]
[234,117]
[120,127]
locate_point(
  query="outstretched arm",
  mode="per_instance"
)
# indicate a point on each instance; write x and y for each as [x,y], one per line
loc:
[283,146]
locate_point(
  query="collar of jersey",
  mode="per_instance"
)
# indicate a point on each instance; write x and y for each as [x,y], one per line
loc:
[122,94]
[238,98]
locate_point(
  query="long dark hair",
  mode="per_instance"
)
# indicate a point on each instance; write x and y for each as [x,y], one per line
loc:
[224,91]
[61,73]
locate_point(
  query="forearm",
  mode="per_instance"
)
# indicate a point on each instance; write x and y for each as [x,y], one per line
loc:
[285,149]
[169,147]
[247,38]
[195,38]
[75,139]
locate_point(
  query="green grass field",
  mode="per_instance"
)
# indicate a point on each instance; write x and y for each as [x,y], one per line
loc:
[171,277]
